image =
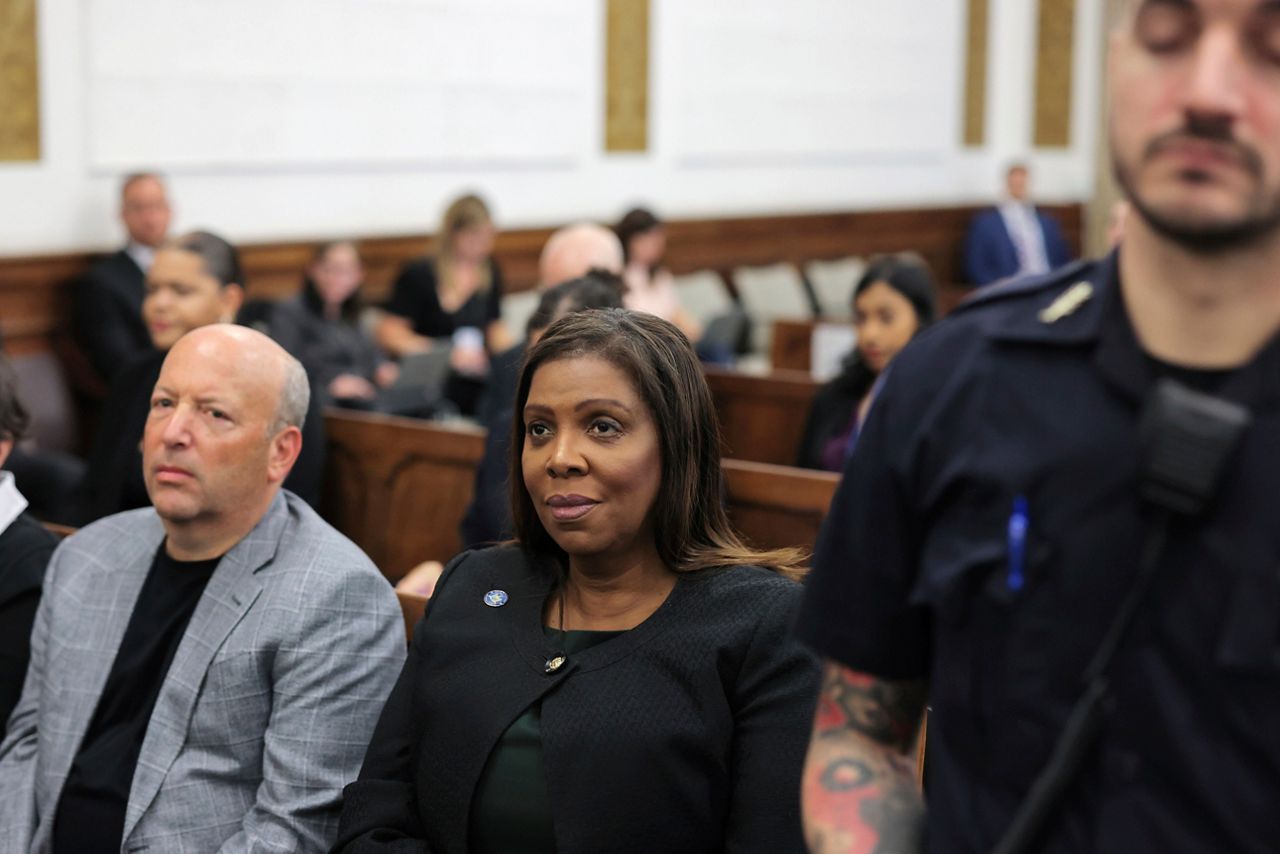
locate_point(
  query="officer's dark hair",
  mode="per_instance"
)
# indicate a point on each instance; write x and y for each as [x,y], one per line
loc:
[908,274]
[690,527]
[220,258]
[597,289]
[14,419]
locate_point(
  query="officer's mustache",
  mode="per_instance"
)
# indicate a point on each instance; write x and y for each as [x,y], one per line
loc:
[1200,129]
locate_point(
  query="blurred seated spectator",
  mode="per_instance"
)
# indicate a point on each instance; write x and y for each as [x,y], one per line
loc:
[894,300]
[455,295]
[574,249]
[25,548]
[1013,239]
[488,517]
[650,286]
[107,310]
[194,282]
[320,327]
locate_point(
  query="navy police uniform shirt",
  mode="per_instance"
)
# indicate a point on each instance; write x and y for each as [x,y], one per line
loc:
[1031,392]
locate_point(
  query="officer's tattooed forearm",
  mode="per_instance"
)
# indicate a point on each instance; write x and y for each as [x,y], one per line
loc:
[859,784]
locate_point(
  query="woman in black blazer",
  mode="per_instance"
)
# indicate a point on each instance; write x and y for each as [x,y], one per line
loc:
[622,678]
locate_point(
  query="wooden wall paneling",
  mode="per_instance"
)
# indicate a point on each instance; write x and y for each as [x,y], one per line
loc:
[762,417]
[778,506]
[35,290]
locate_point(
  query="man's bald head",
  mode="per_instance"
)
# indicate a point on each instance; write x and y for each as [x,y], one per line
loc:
[574,250]
[221,437]
[257,361]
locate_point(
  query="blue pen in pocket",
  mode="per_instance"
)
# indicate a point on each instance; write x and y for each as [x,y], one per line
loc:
[1019,521]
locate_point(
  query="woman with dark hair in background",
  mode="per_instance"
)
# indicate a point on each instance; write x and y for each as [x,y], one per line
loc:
[25,548]
[892,302]
[650,286]
[623,677]
[456,295]
[194,281]
[320,327]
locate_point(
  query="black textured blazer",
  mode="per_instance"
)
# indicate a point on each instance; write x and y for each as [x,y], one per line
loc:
[685,734]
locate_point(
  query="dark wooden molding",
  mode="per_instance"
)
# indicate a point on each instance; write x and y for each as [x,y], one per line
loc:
[36,290]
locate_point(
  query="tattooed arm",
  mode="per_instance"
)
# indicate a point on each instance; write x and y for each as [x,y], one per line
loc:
[859,784]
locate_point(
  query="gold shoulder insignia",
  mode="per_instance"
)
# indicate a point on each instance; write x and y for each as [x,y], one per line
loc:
[1068,303]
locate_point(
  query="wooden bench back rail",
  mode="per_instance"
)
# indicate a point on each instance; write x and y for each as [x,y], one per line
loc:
[778,506]
[399,488]
[762,417]
[35,289]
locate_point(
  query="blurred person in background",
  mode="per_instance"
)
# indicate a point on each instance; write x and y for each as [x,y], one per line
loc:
[107,310]
[650,286]
[320,327]
[194,282]
[1014,238]
[892,302]
[574,249]
[454,295]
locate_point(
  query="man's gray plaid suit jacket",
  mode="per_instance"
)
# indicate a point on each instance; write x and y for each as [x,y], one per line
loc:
[266,710]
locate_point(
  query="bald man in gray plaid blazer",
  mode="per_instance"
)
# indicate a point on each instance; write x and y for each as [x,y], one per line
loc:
[278,679]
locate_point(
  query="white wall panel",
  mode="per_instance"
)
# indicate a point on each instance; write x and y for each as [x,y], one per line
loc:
[310,118]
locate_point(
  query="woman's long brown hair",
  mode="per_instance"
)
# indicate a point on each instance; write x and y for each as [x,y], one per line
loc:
[691,528]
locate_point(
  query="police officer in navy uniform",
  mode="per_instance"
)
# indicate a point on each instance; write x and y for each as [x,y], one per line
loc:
[991,520]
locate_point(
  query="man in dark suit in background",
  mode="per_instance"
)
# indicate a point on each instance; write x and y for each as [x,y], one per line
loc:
[108,306]
[1013,239]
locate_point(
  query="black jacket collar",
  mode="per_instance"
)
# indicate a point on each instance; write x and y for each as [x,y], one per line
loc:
[1101,321]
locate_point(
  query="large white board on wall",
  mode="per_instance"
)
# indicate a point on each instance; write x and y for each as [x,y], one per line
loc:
[244,85]
[762,80]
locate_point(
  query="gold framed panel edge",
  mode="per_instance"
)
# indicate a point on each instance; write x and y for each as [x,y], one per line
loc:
[19,82]
[626,107]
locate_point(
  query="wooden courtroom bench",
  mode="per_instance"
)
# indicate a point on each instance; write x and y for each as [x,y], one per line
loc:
[399,488]
[778,506]
[791,345]
[762,416]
